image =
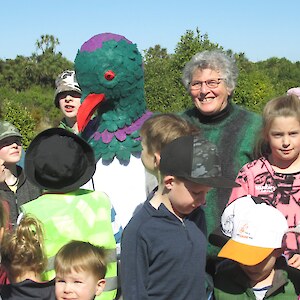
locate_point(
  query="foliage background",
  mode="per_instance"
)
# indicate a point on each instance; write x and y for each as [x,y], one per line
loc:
[27,83]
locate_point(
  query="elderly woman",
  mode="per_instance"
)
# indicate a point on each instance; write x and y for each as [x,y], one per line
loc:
[210,77]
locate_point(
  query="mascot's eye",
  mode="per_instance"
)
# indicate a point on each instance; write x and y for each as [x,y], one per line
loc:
[109,75]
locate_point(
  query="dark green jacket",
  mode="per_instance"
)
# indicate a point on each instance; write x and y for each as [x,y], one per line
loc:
[232,283]
[234,131]
[63,124]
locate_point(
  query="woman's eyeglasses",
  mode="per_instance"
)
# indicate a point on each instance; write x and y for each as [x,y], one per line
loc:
[211,84]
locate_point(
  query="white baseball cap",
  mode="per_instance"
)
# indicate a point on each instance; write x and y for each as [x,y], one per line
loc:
[256,229]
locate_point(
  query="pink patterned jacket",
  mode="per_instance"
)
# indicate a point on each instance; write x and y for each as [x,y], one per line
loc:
[282,191]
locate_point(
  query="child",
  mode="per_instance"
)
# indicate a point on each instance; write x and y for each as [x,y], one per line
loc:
[156,132]
[16,189]
[163,251]
[257,269]
[275,176]
[67,99]
[80,270]
[22,256]
[60,162]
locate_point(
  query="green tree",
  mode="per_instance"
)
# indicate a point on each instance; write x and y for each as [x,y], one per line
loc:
[47,43]
[13,73]
[19,116]
[38,69]
[191,43]
[283,73]
[254,89]
[27,83]
[27,87]
[243,62]
[164,89]
[158,80]
[49,63]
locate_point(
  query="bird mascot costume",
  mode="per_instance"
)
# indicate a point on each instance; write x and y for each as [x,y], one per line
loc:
[109,70]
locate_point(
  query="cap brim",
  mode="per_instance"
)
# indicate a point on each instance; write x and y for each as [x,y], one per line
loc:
[64,89]
[244,254]
[67,89]
[11,134]
[215,182]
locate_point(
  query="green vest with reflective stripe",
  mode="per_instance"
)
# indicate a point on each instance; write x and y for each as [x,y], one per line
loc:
[81,215]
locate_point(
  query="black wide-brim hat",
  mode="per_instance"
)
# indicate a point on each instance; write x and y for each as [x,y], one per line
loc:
[59,161]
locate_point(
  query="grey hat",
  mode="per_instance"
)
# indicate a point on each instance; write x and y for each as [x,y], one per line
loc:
[195,159]
[8,130]
[65,82]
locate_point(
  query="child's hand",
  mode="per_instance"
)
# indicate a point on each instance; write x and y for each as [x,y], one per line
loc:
[294,261]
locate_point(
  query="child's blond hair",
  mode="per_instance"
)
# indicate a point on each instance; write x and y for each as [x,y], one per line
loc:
[161,129]
[283,106]
[81,256]
[22,250]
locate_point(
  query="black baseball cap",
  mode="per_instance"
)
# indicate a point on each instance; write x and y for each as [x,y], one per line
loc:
[195,159]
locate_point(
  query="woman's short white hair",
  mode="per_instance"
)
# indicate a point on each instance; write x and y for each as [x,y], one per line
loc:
[215,60]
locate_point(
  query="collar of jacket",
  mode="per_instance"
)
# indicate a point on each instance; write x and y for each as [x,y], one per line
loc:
[223,114]
[20,176]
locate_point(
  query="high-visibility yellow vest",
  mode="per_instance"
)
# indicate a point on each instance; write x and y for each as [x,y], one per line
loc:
[80,215]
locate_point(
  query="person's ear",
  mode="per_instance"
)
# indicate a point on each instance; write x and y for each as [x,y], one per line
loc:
[156,159]
[100,286]
[169,181]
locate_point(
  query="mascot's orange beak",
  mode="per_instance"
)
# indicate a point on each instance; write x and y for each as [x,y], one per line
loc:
[87,108]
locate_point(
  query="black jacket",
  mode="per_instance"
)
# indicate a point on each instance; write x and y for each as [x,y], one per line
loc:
[29,289]
[163,258]
[26,191]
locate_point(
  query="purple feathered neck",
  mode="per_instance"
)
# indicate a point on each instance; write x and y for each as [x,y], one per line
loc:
[121,134]
[96,41]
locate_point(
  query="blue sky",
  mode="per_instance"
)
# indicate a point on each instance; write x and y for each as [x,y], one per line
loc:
[259,28]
